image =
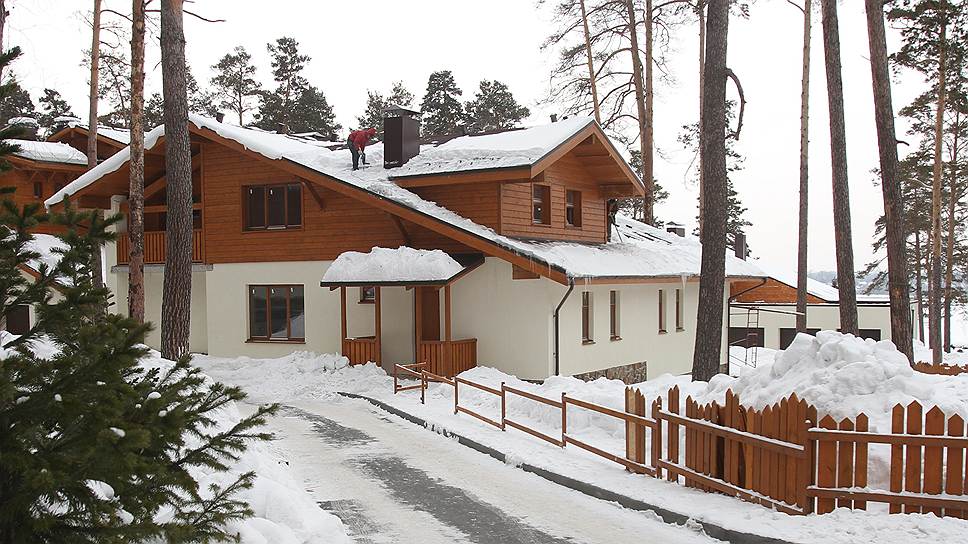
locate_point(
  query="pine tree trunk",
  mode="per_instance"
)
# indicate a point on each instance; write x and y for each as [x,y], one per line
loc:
[712,149]
[894,228]
[701,13]
[953,198]
[591,64]
[648,155]
[920,283]
[838,161]
[804,173]
[640,107]
[934,311]
[176,305]
[136,187]
[92,97]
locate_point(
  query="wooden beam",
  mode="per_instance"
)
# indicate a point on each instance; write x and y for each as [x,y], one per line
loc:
[448,347]
[312,190]
[403,231]
[161,181]
[92,201]
[377,325]
[342,315]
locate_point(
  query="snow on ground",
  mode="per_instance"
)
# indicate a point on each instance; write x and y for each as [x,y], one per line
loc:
[842,375]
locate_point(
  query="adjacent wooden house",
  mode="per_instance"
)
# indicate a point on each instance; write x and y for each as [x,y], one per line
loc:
[40,169]
[540,278]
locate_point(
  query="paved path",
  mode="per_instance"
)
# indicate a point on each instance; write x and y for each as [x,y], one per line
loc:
[393,482]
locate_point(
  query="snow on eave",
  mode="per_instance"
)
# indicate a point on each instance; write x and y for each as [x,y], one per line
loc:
[48,152]
[111,164]
[382,266]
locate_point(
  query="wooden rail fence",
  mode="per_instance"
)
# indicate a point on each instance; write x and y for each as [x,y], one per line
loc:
[781,456]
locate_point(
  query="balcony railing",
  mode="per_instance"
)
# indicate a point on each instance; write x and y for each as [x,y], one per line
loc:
[448,358]
[155,247]
[361,350]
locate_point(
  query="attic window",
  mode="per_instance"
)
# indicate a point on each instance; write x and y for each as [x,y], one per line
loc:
[540,204]
[272,207]
[38,189]
[573,208]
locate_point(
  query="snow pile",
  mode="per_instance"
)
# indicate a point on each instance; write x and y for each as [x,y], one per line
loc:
[48,152]
[382,265]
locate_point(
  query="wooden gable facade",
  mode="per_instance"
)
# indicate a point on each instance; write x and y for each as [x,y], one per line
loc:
[34,181]
[771,291]
[76,137]
[335,217]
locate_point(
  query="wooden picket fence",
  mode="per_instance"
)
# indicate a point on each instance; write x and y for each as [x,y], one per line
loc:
[940,368]
[781,456]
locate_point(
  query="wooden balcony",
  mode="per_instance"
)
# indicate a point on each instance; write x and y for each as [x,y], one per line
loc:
[361,350]
[448,358]
[155,247]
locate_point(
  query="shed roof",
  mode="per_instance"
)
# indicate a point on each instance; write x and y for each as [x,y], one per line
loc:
[385,266]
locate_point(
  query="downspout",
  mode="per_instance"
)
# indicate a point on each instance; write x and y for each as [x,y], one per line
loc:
[571,287]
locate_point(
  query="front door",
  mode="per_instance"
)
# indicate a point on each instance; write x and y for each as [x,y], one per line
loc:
[428,309]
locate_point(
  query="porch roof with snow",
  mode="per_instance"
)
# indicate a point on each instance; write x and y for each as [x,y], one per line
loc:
[403,266]
[636,253]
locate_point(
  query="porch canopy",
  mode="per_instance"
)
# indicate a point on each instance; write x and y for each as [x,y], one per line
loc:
[424,271]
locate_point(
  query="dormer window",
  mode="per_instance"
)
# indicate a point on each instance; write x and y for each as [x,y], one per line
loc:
[540,204]
[573,208]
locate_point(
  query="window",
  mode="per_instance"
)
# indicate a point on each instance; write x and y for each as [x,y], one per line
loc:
[38,189]
[367,295]
[573,208]
[787,334]
[270,207]
[747,337]
[679,326]
[586,318]
[662,311]
[540,199]
[276,313]
[18,319]
[613,316]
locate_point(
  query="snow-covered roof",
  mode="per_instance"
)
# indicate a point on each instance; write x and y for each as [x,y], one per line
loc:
[120,135]
[501,150]
[637,251]
[383,265]
[55,152]
[819,289]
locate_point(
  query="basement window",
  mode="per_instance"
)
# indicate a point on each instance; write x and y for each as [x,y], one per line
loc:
[272,207]
[541,204]
[573,208]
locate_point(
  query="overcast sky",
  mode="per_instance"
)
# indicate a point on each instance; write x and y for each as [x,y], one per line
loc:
[357,46]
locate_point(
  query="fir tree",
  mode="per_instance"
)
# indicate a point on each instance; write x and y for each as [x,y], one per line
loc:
[441,109]
[494,108]
[53,106]
[313,113]
[634,206]
[377,104]
[235,82]
[16,103]
[294,104]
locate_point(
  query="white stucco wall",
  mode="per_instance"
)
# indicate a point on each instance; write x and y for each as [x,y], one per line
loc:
[819,316]
[154,286]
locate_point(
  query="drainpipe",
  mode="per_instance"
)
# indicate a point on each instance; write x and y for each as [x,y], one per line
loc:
[571,287]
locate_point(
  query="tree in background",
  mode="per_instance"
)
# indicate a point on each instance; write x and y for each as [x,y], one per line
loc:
[634,206]
[177,291]
[17,103]
[712,147]
[441,109]
[52,106]
[899,283]
[199,101]
[377,104]
[838,160]
[136,169]
[494,108]
[294,105]
[803,220]
[314,114]
[234,82]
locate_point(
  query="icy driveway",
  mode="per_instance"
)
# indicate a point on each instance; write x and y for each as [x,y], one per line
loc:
[390,481]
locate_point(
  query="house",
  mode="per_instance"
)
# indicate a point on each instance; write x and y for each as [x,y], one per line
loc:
[40,169]
[110,140]
[21,317]
[763,312]
[495,249]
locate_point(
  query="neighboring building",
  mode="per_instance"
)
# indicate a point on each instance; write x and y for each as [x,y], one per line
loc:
[533,275]
[110,140]
[763,312]
[22,317]
[39,170]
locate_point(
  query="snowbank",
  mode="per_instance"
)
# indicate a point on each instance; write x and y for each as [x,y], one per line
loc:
[382,265]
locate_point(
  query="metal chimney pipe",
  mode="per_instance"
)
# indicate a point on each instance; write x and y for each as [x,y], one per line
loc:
[739,245]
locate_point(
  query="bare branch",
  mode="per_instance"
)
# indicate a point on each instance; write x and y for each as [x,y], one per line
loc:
[742,103]
[798,6]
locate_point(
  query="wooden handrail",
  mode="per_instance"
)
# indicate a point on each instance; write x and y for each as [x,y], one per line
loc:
[631,418]
[831,435]
[728,432]
[532,396]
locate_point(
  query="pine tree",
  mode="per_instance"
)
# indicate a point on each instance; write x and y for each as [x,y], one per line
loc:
[16,103]
[377,104]
[634,206]
[294,104]
[441,109]
[235,82]
[199,101]
[494,108]
[52,106]
[313,113]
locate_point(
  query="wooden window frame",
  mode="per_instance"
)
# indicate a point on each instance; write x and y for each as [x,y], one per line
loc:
[265,210]
[38,190]
[544,201]
[574,206]
[365,299]
[268,339]
[587,318]
[679,322]
[662,312]
[614,315]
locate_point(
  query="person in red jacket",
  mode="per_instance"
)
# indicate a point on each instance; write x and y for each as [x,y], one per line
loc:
[357,142]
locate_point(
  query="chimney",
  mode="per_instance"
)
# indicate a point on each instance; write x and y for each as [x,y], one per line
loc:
[739,245]
[554,117]
[676,228]
[219,116]
[282,128]
[401,136]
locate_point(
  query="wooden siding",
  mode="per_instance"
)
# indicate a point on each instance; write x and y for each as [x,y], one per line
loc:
[479,202]
[340,223]
[23,179]
[566,174]
[772,291]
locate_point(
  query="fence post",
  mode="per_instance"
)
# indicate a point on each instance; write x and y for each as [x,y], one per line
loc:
[504,408]
[657,436]
[455,394]
[672,448]
[564,418]
[423,385]
[629,429]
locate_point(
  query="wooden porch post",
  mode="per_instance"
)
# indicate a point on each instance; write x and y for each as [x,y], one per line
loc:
[448,347]
[376,326]
[342,314]
[417,322]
